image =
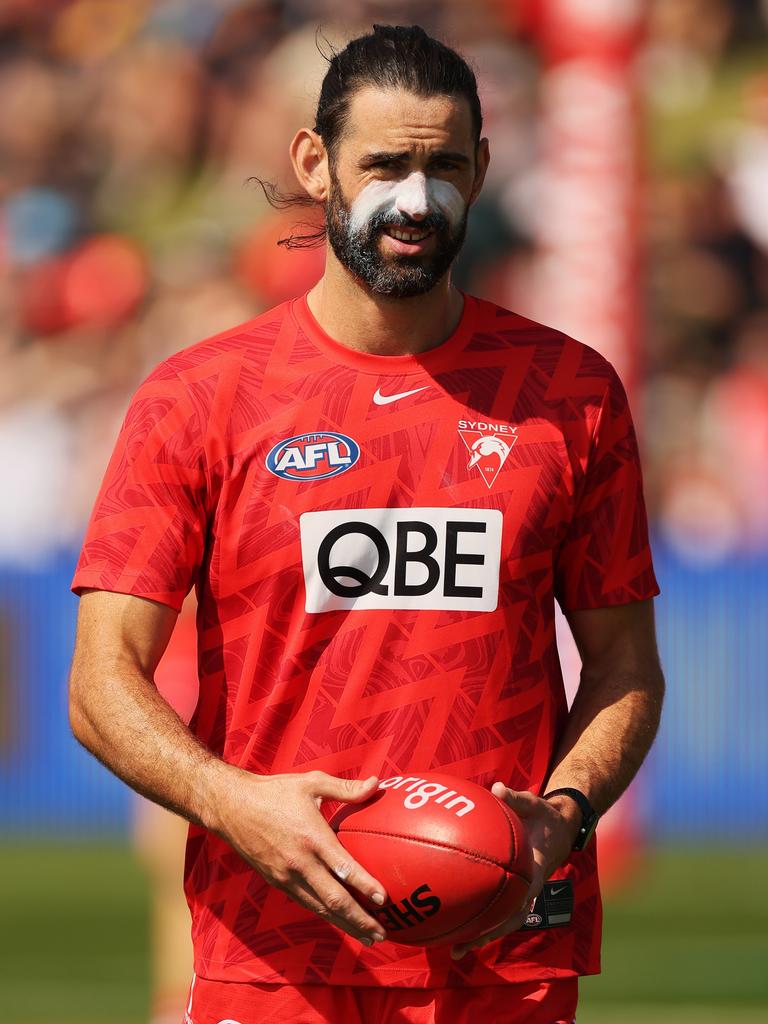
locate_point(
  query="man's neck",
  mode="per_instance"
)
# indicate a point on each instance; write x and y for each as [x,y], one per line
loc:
[351,315]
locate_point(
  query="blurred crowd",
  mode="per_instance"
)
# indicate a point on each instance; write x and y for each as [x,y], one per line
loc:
[131,226]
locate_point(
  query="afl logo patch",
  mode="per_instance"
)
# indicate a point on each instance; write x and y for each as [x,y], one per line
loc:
[313,456]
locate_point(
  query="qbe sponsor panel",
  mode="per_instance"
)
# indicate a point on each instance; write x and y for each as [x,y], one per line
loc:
[428,558]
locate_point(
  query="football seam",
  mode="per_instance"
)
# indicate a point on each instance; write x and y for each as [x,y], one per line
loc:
[512,835]
[429,842]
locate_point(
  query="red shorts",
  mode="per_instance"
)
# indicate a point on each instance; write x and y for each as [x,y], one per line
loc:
[228,1002]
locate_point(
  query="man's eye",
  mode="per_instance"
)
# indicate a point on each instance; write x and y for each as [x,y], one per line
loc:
[445,165]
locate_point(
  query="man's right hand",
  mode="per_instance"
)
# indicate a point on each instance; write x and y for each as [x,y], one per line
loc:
[274,823]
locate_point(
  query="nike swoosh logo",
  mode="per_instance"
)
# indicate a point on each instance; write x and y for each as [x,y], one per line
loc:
[556,892]
[380,399]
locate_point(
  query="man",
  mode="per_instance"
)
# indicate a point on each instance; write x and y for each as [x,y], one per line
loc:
[378,490]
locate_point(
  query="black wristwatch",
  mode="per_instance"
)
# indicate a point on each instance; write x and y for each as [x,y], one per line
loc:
[589,816]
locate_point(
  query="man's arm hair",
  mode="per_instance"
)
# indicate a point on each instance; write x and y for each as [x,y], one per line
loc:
[117,713]
[617,708]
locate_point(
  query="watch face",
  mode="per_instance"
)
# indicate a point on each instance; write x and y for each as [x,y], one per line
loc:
[586,832]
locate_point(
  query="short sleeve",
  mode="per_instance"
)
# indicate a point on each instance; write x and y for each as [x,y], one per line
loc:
[147,531]
[605,555]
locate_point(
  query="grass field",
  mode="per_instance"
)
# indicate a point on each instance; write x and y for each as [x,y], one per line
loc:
[690,944]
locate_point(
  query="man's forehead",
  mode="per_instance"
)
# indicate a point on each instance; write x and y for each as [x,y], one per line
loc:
[393,119]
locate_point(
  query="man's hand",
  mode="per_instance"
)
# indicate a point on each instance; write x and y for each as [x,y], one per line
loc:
[552,827]
[274,823]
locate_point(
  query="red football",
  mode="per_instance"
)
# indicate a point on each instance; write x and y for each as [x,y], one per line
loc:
[455,860]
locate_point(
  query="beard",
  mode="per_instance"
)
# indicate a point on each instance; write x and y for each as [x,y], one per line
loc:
[391,274]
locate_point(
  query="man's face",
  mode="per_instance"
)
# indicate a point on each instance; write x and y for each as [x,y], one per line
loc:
[400,186]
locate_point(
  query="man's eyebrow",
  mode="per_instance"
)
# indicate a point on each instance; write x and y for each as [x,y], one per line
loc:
[446,154]
[384,155]
[380,156]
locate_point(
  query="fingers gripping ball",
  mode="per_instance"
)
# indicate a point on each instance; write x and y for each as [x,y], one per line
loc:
[455,860]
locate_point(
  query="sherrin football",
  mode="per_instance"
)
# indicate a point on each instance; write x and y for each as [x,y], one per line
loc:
[455,860]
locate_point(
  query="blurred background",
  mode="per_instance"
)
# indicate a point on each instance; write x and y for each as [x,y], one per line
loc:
[627,204]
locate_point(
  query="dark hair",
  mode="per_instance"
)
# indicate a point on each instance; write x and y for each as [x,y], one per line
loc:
[390,57]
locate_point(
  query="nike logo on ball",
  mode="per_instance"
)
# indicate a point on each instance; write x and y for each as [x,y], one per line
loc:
[380,399]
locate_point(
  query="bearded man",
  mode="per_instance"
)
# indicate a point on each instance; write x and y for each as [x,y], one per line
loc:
[379,489]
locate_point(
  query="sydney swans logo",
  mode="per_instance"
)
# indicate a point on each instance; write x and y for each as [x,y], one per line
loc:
[488,445]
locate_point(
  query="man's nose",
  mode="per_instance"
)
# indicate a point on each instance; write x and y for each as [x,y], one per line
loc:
[411,198]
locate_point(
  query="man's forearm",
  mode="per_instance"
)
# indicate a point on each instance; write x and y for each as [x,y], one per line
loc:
[122,719]
[273,822]
[610,729]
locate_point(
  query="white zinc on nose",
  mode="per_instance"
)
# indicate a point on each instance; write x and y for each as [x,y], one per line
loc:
[411,197]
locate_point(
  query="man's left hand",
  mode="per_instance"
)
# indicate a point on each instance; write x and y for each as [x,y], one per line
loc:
[552,828]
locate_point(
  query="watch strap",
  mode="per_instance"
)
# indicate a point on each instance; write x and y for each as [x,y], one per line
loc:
[589,816]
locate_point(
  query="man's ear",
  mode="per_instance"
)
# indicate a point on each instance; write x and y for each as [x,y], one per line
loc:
[310,163]
[482,160]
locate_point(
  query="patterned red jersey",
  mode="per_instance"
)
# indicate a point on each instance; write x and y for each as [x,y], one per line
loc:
[377,543]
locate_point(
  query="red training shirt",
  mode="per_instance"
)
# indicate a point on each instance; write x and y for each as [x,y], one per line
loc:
[377,543]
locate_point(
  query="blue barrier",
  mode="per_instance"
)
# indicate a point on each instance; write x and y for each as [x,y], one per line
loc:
[705,776]
[48,783]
